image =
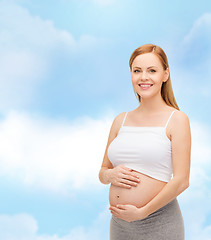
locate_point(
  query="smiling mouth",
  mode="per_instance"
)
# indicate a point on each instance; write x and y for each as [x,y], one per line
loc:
[145,86]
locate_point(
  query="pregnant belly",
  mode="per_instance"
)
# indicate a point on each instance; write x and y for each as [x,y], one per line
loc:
[138,196]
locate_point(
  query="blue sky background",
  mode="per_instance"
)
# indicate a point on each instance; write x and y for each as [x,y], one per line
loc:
[64,76]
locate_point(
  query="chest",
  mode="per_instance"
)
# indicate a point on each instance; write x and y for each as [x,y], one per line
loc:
[140,145]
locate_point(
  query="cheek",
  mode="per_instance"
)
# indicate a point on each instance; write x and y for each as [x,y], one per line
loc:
[134,79]
[157,79]
[134,83]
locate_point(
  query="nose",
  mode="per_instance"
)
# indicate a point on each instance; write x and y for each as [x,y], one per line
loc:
[144,75]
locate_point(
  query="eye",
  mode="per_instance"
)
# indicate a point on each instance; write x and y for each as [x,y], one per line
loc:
[135,71]
[152,70]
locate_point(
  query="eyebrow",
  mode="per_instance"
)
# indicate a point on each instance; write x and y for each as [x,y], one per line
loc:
[147,68]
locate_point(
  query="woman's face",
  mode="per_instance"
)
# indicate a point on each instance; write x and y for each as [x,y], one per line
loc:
[147,75]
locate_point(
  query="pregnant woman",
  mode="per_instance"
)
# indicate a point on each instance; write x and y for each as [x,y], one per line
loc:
[147,157]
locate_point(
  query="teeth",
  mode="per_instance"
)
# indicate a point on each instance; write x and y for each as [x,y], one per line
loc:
[145,85]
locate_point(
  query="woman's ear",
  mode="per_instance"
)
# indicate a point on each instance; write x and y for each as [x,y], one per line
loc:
[166,75]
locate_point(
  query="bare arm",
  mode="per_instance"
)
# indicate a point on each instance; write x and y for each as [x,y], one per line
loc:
[120,175]
[181,154]
[106,164]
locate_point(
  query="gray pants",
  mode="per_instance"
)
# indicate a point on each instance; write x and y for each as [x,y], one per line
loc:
[164,224]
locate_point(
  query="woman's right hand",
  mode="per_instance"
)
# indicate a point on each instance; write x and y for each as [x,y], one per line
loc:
[122,176]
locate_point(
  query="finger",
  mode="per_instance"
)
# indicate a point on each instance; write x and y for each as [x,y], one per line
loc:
[111,208]
[131,178]
[128,182]
[123,185]
[121,206]
[116,215]
[126,168]
[132,175]
[115,210]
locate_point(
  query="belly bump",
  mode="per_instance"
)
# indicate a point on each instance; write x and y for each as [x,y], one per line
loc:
[138,196]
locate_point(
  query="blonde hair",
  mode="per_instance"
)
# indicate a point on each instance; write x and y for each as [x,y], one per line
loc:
[166,89]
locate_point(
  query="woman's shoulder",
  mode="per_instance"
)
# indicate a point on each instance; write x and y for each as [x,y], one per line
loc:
[180,119]
[180,115]
[117,122]
[119,118]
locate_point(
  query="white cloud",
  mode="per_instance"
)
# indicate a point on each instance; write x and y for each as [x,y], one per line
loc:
[54,155]
[193,56]
[25,227]
[196,45]
[28,46]
[19,226]
[25,31]
[201,26]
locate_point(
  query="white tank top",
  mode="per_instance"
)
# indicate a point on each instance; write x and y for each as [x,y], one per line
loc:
[143,149]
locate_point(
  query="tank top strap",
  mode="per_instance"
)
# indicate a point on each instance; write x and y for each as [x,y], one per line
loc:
[124,118]
[169,118]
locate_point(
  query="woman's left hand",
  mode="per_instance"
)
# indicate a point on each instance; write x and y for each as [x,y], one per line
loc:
[128,212]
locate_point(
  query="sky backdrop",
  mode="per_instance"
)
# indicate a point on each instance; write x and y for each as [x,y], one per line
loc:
[64,76]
